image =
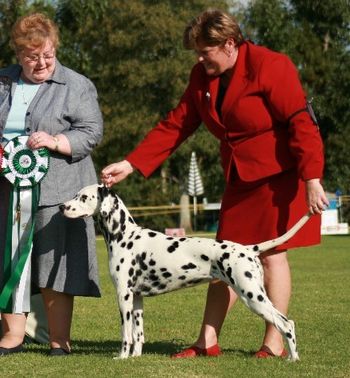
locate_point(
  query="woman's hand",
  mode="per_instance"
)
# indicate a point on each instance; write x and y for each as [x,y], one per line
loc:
[116,172]
[41,139]
[315,196]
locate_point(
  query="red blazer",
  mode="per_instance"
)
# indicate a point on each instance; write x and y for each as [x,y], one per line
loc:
[256,134]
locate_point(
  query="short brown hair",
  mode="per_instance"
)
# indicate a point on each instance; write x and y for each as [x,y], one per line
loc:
[33,31]
[212,28]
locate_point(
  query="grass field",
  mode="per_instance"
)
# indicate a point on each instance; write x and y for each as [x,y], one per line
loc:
[320,307]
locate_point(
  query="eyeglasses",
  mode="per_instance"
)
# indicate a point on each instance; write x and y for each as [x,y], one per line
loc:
[35,58]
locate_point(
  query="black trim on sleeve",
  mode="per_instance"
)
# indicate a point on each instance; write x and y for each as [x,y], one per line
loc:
[307,109]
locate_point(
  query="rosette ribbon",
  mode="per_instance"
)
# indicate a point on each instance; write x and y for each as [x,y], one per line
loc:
[24,168]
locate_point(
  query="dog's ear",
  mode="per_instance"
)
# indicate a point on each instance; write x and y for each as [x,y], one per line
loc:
[103,191]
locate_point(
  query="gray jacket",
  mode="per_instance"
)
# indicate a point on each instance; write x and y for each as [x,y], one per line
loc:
[64,104]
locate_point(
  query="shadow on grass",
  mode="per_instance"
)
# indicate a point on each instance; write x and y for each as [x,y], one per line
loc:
[112,348]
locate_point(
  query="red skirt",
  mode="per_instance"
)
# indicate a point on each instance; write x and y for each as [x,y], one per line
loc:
[253,212]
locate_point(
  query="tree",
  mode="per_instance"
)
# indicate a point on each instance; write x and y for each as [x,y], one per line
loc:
[315,34]
[132,50]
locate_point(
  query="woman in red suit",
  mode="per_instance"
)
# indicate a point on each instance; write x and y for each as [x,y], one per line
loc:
[251,99]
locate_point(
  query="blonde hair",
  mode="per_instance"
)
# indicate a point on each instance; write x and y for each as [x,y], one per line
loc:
[212,28]
[33,31]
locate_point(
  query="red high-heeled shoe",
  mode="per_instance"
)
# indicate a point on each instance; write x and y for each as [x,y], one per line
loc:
[194,351]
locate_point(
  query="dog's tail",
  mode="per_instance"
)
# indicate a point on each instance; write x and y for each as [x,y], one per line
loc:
[265,246]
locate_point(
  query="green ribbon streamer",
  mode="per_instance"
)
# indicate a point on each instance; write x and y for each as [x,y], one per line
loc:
[12,278]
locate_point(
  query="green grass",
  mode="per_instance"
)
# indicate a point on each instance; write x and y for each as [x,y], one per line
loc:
[320,307]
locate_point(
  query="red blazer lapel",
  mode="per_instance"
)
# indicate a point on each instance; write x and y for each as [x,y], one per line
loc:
[211,95]
[238,82]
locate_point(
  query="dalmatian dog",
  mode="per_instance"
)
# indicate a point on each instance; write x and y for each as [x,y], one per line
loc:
[143,262]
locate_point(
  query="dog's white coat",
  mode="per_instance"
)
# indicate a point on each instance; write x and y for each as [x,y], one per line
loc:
[143,262]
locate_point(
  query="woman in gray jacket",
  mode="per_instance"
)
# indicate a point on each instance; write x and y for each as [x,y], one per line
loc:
[56,108]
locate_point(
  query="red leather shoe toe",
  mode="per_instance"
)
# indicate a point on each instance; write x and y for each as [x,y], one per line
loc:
[194,351]
[265,352]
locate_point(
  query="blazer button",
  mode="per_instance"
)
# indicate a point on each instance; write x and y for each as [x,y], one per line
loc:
[27,114]
[27,130]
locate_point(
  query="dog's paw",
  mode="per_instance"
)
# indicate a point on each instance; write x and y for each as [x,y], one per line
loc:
[137,350]
[293,358]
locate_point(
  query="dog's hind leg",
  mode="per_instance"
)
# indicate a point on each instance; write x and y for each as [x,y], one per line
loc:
[137,330]
[125,301]
[267,311]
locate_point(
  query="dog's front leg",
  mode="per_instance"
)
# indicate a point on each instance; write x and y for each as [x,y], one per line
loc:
[125,300]
[137,330]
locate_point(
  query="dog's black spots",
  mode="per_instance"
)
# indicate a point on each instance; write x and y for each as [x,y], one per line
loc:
[195,281]
[242,291]
[248,274]
[130,284]
[169,238]
[220,265]
[166,274]
[83,198]
[163,269]
[250,259]
[153,277]
[229,272]
[189,266]
[205,257]
[152,234]
[242,254]
[128,315]
[143,266]
[232,280]
[137,237]
[123,244]
[182,278]
[122,216]
[137,323]
[119,237]
[250,295]
[260,298]
[219,241]
[133,262]
[131,272]
[143,255]
[131,235]
[284,318]
[182,239]
[131,220]
[121,317]
[117,268]
[145,289]
[152,271]
[173,247]
[152,262]
[126,297]
[130,245]
[162,287]
[255,248]
[138,273]
[115,225]
[224,246]
[155,283]
[225,256]
[288,335]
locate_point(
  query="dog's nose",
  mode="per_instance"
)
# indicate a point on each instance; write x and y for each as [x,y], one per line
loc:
[62,207]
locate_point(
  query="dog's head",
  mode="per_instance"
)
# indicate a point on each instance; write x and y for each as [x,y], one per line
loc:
[86,203]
